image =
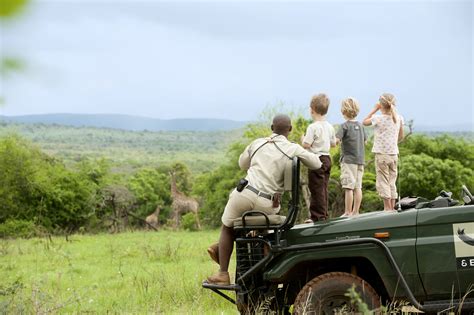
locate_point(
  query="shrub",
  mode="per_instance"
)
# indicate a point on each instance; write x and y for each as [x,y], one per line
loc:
[17,228]
[189,222]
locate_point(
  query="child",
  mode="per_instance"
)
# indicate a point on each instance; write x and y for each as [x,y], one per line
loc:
[319,137]
[352,136]
[388,131]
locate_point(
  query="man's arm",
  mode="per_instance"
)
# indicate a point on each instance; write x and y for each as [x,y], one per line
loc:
[311,160]
[244,159]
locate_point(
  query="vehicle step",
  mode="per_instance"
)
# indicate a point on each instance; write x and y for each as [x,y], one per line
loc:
[230,287]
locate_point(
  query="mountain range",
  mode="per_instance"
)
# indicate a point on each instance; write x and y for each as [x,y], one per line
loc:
[139,123]
[128,122]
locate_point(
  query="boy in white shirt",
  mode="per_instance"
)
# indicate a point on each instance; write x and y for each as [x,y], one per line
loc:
[319,138]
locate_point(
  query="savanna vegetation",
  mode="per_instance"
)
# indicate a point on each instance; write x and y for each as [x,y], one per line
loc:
[57,257]
[127,150]
[43,191]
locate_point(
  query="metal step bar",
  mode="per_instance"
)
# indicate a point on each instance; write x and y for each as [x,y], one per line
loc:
[216,288]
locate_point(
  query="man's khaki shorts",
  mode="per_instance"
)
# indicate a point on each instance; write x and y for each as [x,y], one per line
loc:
[246,200]
[386,170]
[351,175]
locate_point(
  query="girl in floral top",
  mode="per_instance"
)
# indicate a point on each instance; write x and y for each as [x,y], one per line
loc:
[388,131]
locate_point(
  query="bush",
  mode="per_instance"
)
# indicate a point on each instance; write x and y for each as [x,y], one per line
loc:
[423,175]
[17,228]
[189,222]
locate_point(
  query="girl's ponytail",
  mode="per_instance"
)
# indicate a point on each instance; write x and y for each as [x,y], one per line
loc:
[387,101]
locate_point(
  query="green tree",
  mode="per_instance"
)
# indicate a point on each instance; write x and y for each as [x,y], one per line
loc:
[423,175]
[37,187]
[444,147]
[151,188]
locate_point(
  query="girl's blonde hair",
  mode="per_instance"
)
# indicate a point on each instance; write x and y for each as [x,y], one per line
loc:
[350,108]
[387,101]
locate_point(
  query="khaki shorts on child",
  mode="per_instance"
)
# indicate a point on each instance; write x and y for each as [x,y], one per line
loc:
[386,170]
[351,175]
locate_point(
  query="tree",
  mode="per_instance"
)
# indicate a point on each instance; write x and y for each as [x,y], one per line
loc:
[425,176]
[39,188]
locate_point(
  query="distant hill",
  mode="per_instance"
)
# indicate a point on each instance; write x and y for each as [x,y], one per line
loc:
[128,122]
[462,127]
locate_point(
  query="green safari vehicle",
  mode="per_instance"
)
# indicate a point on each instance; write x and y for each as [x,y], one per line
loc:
[423,256]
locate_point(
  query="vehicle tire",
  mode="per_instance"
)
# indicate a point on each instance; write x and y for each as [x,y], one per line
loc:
[325,294]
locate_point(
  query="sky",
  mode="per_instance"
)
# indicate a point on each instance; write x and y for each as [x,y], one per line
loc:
[233,59]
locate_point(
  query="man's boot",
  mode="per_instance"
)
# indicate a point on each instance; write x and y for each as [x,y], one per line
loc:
[219,278]
[213,251]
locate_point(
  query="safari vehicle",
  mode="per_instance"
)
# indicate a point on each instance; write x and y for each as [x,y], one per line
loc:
[423,256]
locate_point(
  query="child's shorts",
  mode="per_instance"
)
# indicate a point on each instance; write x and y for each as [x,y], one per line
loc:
[351,175]
[386,172]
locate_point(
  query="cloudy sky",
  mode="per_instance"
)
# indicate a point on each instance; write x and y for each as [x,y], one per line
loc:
[226,59]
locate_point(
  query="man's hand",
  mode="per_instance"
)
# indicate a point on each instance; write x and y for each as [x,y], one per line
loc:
[301,139]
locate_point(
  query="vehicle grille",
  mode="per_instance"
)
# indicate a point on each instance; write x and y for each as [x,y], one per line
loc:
[249,253]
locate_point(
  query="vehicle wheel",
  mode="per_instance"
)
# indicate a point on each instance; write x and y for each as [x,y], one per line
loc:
[325,294]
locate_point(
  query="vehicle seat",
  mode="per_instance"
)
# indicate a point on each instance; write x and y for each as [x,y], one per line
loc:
[256,220]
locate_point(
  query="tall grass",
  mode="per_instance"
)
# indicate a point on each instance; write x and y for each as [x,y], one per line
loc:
[135,272]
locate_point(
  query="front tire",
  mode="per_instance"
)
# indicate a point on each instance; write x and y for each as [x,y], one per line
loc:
[325,294]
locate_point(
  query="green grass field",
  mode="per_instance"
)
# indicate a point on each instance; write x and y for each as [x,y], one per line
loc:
[129,273]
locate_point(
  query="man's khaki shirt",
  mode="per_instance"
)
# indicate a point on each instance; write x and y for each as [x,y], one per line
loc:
[266,169]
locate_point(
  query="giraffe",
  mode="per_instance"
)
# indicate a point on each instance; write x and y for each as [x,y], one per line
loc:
[181,203]
[152,220]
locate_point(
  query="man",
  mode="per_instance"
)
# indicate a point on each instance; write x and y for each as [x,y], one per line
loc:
[265,160]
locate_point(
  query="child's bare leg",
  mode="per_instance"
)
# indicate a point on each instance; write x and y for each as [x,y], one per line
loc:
[394,201]
[387,204]
[357,201]
[349,197]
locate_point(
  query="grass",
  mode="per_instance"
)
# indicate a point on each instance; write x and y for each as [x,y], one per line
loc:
[134,272]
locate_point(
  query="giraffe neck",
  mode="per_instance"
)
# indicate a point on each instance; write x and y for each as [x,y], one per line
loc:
[174,189]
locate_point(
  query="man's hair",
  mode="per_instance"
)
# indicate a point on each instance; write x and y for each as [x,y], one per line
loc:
[350,108]
[281,124]
[320,104]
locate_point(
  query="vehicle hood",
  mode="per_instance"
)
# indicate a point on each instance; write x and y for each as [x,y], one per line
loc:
[363,225]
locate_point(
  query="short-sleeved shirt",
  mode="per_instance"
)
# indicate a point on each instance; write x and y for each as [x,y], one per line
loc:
[386,134]
[320,135]
[353,137]
[265,163]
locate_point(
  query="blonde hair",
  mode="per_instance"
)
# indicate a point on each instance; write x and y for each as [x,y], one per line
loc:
[387,101]
[320,104]
[350,108]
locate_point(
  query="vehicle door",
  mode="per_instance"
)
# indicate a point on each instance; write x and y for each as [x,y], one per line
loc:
[445,251]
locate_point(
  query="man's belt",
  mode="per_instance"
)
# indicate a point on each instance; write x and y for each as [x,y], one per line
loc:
[259,193]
